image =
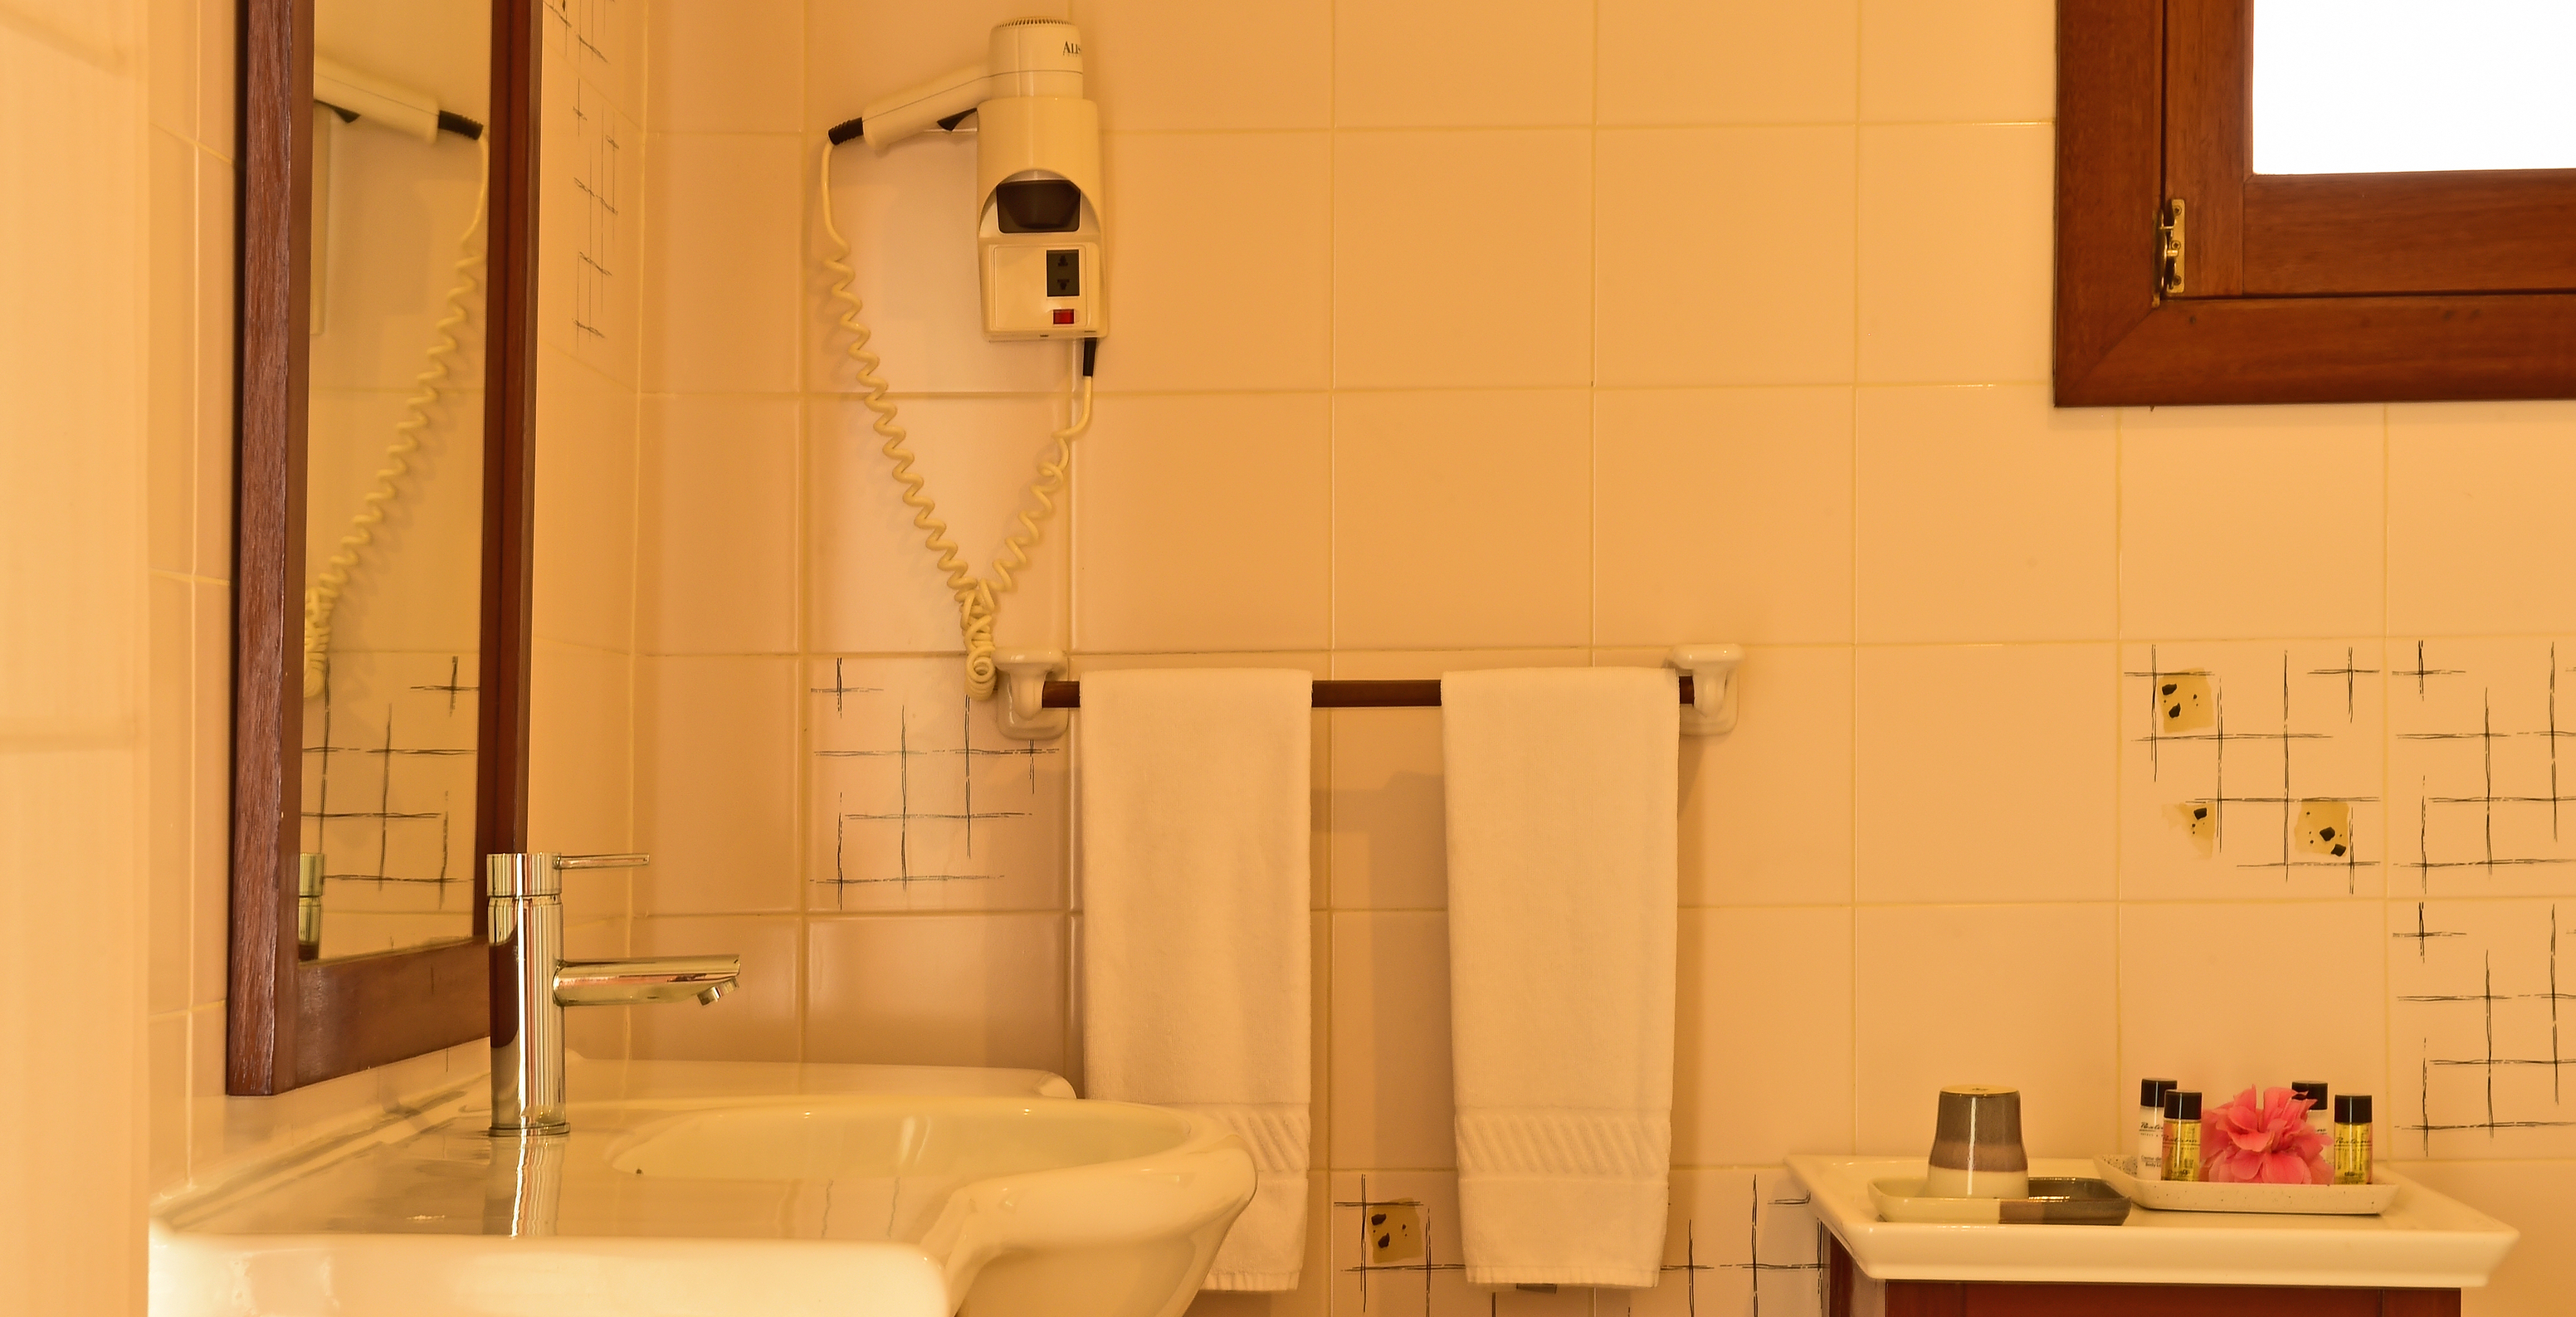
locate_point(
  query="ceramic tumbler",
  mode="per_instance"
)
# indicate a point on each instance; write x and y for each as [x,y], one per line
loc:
[1976,1146]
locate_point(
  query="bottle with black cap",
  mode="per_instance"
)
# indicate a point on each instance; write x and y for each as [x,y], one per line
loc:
[2151,1127]
[2182,1135]
[2320,1115]
[2352,1138]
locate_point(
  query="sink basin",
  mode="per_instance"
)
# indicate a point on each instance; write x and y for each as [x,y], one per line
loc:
[701,1190]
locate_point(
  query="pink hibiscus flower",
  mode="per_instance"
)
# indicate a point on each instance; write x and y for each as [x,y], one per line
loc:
[2267,1142]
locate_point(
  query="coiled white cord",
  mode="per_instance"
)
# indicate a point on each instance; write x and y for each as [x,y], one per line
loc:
[978,599]
[321,597]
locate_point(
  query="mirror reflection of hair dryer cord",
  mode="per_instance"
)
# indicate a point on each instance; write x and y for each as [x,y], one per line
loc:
[323,596]
[978,598]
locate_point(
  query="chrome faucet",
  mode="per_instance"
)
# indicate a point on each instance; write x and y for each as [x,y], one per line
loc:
[532,983]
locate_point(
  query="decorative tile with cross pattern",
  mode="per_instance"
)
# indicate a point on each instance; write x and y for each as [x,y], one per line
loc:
[918,802]
[1740,1243]
[2251,769]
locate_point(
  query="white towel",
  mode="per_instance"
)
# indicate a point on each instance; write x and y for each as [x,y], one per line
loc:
[1562,813]
[1196,962]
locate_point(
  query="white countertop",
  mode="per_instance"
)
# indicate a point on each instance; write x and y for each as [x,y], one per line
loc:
[2425,1241]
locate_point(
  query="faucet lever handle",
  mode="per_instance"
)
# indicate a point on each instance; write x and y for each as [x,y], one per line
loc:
[602,861]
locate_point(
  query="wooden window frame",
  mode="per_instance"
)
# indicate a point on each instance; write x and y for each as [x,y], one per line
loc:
[2297,288]
[289,1022]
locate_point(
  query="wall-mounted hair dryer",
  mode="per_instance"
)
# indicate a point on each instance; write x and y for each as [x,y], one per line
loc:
[355,95]
[1037,174]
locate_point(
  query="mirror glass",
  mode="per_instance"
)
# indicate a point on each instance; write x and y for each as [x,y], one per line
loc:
[2380,86]
[394,473]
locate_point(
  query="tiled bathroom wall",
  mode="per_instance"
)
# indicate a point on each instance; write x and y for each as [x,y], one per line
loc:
[1445,336]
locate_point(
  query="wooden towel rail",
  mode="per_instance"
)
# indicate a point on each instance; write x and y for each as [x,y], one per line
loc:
[1416,694]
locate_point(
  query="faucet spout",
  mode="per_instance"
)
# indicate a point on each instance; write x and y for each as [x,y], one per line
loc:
[532,983]
[638,982]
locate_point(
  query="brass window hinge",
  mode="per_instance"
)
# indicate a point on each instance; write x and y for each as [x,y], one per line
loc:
[2169,250]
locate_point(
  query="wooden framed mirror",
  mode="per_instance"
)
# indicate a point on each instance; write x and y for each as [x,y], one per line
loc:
[380,657]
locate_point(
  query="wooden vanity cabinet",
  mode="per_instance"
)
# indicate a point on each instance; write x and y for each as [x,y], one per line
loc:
[1967,1298]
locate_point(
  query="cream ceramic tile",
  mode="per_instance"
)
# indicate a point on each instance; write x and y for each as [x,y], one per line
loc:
[170,32]
[215,422]
[2476,808]
[1739,1240]
[218,76]
[1219,229]
[584,559]
[169,764]
[973,989]
[1726,61]
[2016,995]
[2475,1054]
[593,277]
[2540,1272]
[1954,254]
[210,821]
[1986,773]
[859,50]
[1204,522]
[915,799]
[721,265]
[1462,258]
[756,1022]
[1389,841]
[1767,808]
[1532,68]
[2235,761]
[171,319]
[1390,1088]
[2195,1006]
[2476,534]
[875,588]
[719,537]
[716,68]
[907,218]
[607,43]
[581,749]
[1722,1222]
[1978,61]
[1985,514]
[220,1128]
[1314,1293]
[1172,64]
[1762,1056]
[165,1042]
[1460,519]
[2247,521]
[1722,513]
[1427,1281]
[716,784]
[1685,313]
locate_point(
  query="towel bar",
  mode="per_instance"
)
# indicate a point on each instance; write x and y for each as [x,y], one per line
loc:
[1035,704]
[1417,694]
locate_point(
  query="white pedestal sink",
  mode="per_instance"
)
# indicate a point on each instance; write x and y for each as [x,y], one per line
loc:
[717,1190]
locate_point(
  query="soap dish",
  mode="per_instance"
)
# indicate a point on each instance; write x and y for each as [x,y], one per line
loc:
[2052,1202]
[2204,1196]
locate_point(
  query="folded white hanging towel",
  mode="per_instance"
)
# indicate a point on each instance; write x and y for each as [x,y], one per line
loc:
[1196,933]
[1561,787]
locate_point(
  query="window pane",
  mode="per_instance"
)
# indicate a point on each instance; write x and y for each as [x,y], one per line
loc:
[2374,86]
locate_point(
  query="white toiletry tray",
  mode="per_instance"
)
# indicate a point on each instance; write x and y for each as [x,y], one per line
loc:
[2299,1199]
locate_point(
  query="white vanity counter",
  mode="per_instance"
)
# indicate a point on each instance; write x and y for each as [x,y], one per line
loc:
[2425,1241]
